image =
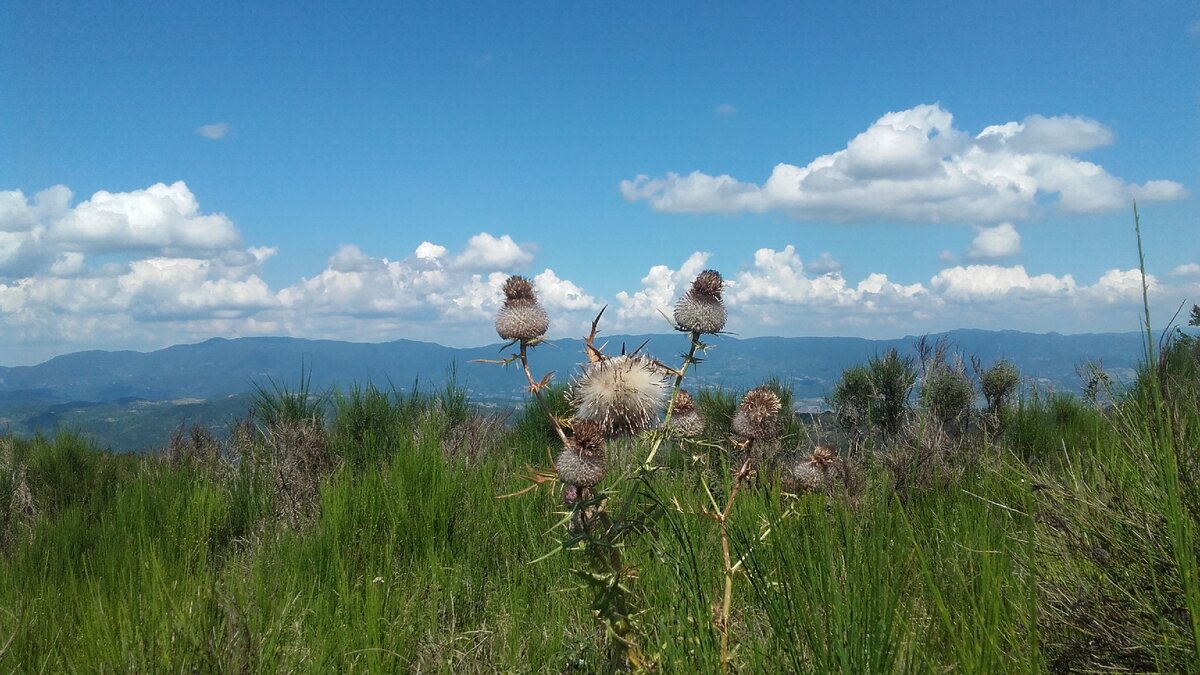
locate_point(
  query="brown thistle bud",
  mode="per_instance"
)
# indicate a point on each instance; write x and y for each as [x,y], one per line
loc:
[685,418]
[824,454]
[684,403]
[701,309]
[758,415]
[581,462]
[801,471]
[521,317]
[587,436]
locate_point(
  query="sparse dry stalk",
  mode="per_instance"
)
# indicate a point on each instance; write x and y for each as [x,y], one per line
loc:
[722,519]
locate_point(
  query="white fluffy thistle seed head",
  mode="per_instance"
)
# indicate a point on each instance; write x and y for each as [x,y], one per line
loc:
[758,415]
[701,309]
[623,394]
[521,317]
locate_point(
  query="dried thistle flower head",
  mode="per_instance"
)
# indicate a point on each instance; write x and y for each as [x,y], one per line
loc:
[587,436]
[684,403]
[701,309]
[802,471]
[758,415]
[802,474]
[578,469]
[581,462]
[521,317]
[685,418]
[824,454]
[623,394]
[518,287]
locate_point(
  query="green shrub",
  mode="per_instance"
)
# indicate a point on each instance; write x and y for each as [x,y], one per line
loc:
[948,395]
[874,398]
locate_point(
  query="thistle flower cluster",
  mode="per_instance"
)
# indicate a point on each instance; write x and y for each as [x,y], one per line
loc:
[521,317]
[628,394]
[701,309]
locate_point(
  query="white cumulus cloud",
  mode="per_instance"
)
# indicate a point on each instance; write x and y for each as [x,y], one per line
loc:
[558,293]
[160,217]
[990,282]
[995,242]
[824,264]
[915,165]
[487,252]
[660,287]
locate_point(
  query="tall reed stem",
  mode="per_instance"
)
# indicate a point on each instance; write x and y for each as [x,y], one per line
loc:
[1162,440]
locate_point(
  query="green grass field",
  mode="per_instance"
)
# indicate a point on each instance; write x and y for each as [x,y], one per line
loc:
[1063,540]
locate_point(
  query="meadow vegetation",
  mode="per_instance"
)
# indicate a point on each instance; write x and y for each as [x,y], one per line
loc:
[960,524]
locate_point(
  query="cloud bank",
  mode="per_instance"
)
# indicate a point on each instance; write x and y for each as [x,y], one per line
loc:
[916,166]
[149,267]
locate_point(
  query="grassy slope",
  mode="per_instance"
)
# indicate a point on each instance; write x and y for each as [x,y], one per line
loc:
[1053,552]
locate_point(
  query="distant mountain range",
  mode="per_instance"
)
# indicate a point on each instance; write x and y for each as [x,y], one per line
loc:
[214,374]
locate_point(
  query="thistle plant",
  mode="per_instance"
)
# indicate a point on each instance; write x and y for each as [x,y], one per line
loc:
[632,395]
[581,462]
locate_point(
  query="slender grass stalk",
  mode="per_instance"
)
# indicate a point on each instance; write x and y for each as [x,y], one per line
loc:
[722,519]
[1162,439]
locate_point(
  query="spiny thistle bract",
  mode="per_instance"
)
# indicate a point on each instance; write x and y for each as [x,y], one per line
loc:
[521,317]
[757,417]
[701,310]
[581,462]
[685,418]
[623,394]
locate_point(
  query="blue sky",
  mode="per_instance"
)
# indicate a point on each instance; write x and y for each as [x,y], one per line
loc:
[172,173]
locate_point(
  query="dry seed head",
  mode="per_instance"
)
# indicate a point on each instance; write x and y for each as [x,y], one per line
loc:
[708,283]
[685,418]
[587,437]
[689,424]
[684,403]
[804,472]
[701,309]
[824,454]
[620,394]
[518,287]
[758,415]
[521,317]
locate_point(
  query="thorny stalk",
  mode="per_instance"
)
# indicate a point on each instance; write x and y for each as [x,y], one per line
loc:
[688,360]
[536,388]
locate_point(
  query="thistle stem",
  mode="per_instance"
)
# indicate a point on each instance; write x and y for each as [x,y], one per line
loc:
[536,389]
[727,597]
[687,362]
